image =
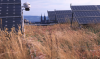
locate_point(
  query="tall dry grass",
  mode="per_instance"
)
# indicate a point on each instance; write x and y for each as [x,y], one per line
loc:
[62,42]
[58,41]
[12,45]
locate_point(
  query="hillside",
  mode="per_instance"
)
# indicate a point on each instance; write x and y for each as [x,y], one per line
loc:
[52,42]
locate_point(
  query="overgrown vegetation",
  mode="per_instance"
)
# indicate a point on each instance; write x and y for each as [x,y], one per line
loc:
[58,41]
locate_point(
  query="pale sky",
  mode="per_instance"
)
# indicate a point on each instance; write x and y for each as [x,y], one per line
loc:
[39,7]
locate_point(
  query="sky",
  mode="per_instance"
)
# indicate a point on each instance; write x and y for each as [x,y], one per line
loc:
[39,7]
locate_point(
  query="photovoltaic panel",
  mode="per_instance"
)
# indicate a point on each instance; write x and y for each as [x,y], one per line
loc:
[86,14]
[98,6]
[63,16]
[11,22]
[10,13]
[86,7]
[63,11]
[61,20]
[88,20]
[51,15]
[10,1]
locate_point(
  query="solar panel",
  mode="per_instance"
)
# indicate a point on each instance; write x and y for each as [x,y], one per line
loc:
[10,1]
[63,16]
[98,6]
[86,14]
[51,15]
[88,20]
[80,8]
[10,13]
[61,20]
[63,12]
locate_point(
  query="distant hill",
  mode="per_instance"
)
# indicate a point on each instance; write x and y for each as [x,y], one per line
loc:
[33,18]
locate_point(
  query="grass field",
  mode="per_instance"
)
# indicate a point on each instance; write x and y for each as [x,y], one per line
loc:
[59,41]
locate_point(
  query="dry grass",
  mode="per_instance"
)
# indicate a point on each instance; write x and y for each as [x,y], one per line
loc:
[62,42]
[12,46]
[50,42]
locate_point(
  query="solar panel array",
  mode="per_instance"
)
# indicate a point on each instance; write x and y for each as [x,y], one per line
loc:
[88,20]
[80,8]
[10,13]
[62,16]
[10,1]
[98,6]
[51,15]
[86,14]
